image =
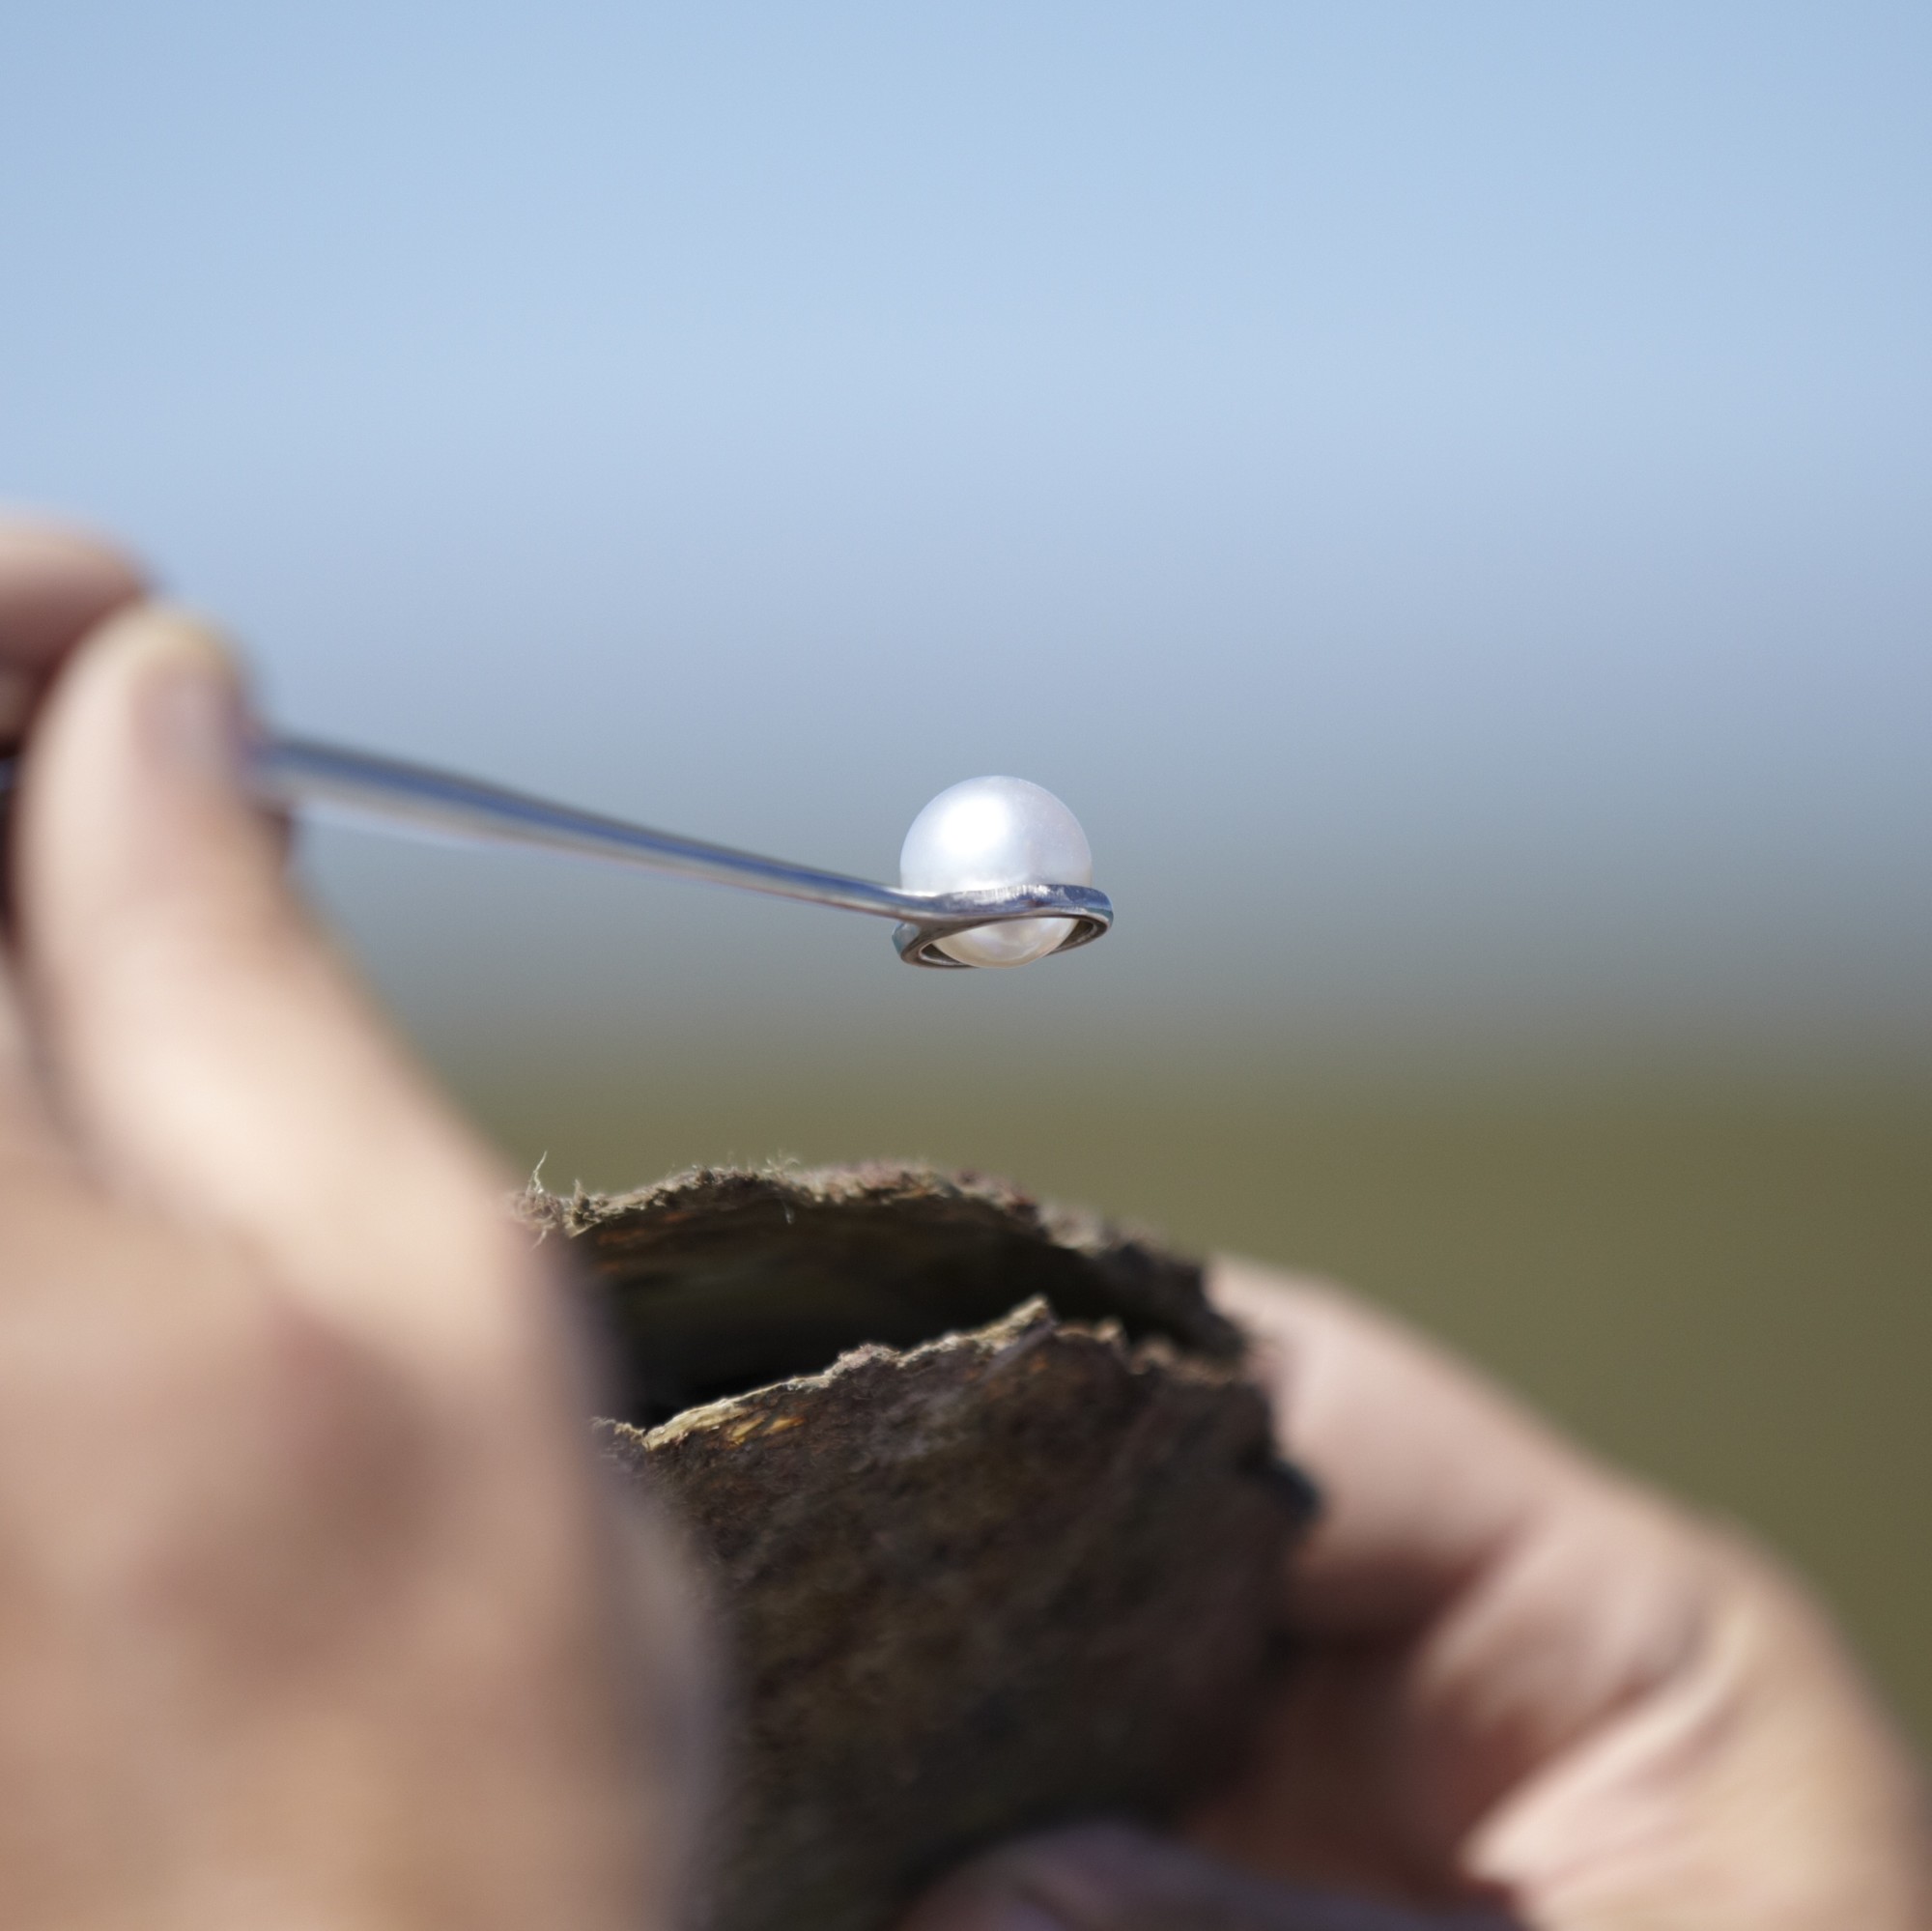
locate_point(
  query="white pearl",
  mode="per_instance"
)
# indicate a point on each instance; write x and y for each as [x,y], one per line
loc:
[991,833]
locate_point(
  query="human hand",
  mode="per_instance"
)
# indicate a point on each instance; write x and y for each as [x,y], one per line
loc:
[315,1611]
[1530,1693]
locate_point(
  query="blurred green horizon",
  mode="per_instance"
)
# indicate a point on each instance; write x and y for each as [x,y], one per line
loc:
[1718,1275]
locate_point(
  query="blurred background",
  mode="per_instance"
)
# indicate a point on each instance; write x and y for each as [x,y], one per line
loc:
[1443,493]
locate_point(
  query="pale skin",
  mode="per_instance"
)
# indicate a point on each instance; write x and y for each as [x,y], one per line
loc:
[1534,1695]
[316,1611]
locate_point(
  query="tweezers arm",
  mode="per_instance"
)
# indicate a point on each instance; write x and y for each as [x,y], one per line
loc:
[328,780]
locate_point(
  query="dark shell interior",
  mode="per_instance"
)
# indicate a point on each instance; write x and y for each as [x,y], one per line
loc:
[715,1283]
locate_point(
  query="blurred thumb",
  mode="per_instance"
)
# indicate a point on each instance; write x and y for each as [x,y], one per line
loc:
[1106,1877]
[205,1046]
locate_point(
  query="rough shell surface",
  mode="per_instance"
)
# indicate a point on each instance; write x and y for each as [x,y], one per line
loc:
[1022,1572]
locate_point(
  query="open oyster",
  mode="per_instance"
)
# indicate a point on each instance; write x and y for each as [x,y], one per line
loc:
[993,1518]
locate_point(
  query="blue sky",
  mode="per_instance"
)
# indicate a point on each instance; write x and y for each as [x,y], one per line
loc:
[1444,492]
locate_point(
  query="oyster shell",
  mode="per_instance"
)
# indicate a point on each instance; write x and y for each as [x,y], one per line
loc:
[993,1517]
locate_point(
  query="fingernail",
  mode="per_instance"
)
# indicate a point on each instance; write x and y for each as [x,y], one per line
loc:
[195,713]
[200,724]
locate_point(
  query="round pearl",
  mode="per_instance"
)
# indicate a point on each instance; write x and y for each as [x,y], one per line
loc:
[991,833]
